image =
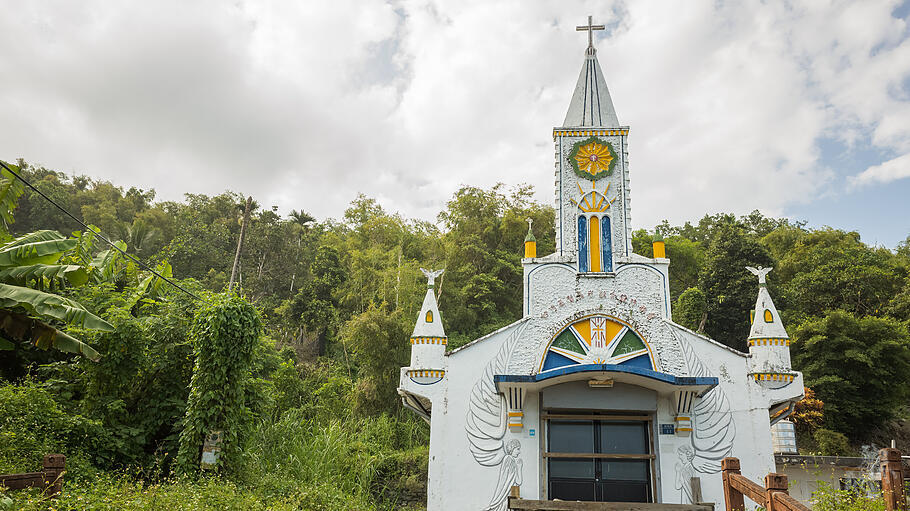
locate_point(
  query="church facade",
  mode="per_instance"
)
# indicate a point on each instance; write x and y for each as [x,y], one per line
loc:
[595,394]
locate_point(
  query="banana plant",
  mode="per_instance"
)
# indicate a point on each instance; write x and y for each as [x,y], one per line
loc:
[29,269]
[10,191]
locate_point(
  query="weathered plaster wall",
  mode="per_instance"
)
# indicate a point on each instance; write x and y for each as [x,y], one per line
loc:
[557,296]
[567,184]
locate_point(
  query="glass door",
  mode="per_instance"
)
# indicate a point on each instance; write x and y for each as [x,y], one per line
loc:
[599,458]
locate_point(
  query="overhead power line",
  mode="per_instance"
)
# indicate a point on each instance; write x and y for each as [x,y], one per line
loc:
[98,234]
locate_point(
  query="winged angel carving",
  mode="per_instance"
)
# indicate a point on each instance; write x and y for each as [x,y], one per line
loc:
[486,426]
[713,429]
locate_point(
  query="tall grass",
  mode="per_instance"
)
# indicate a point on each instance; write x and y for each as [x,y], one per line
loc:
[348,452]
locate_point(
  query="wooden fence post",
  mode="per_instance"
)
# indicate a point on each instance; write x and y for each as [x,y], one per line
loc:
[514,494]
[54,467]
[893,480]
[733,499]
[775,483]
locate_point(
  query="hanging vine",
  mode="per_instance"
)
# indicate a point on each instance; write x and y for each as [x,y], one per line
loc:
[224,334]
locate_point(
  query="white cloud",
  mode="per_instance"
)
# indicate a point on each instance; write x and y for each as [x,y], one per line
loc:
[304,105]
[891,170]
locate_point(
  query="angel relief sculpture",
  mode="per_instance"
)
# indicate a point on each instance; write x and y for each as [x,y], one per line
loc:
[713,430]
[486,426]
[509,476]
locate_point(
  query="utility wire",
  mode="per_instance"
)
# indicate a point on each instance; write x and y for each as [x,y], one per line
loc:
[96,233]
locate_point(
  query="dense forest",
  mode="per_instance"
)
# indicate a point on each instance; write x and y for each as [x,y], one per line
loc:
[328,306]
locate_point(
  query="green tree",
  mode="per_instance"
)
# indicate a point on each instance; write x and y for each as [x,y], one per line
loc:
[484,246]
[730,289]
[225,334]
[314,309]
[859,367]
[832,269]
[690,310]
[380,347]
[686,258]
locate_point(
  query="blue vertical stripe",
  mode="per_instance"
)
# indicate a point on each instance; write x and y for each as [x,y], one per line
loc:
[606,243]
[582,244]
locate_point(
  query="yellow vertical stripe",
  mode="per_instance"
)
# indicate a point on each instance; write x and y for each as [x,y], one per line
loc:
[594,243]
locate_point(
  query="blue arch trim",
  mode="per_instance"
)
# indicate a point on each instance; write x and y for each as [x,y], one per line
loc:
[607,368]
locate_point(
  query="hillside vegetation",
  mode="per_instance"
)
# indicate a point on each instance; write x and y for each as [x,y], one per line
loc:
[317,423]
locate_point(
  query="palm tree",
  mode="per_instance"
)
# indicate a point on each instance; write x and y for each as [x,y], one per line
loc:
[299,221]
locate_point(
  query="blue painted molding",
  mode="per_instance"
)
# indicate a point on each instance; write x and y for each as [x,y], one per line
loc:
[607,368]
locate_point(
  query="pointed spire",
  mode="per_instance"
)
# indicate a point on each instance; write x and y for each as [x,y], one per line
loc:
[766,322]
[591,103]
[429,322]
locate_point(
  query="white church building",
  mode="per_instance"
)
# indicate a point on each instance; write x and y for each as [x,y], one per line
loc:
[595,394]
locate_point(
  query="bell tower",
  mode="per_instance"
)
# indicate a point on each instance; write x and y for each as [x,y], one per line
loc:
[592,180]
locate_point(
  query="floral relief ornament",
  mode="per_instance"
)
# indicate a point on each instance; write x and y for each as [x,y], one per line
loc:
[592,158]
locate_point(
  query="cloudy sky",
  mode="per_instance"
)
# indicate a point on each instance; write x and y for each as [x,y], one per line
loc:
[799,109]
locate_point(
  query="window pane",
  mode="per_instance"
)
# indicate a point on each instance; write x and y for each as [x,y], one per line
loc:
[572,469]
[623,492]
[582,244]
[572,490]
[623,438]
[606,237]
[571,436]
[625,470]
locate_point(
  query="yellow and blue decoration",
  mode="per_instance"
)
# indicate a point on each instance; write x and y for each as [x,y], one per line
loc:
[597,340]
[660,250]
[530,242]
[592,158]
[426,376]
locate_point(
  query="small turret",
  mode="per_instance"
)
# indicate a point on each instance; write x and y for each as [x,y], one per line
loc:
[428,342]
[530,241]
[769,344]
[660,250]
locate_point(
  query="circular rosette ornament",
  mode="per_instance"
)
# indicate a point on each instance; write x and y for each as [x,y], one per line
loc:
[593,158]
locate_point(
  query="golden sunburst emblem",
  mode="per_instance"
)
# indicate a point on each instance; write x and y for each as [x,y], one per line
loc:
[593,158]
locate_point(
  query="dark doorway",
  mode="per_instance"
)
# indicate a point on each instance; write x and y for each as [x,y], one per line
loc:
[599,459]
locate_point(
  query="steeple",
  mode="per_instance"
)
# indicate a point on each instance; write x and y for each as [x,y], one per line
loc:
[591,103]
[429,323]
[769,344]
[766,322]
[428,342]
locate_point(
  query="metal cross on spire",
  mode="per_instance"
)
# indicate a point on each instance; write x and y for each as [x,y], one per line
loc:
[590,28]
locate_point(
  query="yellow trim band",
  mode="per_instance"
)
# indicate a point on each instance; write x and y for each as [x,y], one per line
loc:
[772,377]
[588,133]
[426,374]
[769,342]
[430,340]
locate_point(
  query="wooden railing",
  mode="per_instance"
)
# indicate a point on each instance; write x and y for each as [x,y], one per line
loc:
[774,496]
[51,478]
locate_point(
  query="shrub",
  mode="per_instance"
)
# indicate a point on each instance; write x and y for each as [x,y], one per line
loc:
[32,424]
[827,498]
[832,443]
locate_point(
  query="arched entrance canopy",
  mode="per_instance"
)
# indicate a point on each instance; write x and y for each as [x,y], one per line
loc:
[648,378]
